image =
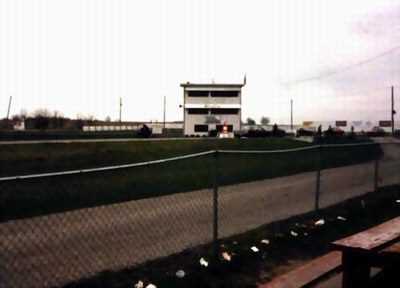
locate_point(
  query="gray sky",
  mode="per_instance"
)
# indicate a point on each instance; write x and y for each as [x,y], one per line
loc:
[80,56]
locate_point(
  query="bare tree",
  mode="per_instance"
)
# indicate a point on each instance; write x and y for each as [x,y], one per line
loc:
[250,121]
[265,120]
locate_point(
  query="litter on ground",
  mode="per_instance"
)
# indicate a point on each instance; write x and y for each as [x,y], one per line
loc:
[203,262]
[139,284]
[265,241]
[180,274]
[254,249]
[226,256]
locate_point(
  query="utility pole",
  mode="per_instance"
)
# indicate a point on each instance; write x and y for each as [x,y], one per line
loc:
[9,108]
[165,106]
[393,111]
[291,115]
[120,109]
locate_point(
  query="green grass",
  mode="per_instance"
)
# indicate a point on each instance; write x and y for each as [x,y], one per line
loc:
[36,158]
[27,198]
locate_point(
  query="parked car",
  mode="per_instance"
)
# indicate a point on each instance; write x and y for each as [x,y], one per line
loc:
[333,132]
[259,133]
[145,132]
[305,132]
[376,132]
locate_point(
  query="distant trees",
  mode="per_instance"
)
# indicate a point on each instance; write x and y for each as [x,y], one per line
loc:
[250,121]
[265,120]
[41,119]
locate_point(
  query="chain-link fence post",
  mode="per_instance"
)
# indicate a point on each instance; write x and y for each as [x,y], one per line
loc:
[318,178]
[215,208]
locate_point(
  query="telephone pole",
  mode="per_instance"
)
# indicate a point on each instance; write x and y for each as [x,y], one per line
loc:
[120,109]
[393,111]
[291,115]
[9,108]
[165,106]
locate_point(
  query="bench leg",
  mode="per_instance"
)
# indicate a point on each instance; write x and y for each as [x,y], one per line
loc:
[356,270]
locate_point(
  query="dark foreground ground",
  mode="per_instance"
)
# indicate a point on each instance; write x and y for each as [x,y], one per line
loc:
[291,242]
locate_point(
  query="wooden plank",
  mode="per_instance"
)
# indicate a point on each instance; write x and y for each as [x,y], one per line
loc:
[372,238]
[393,249]
[307,273]
[388,256]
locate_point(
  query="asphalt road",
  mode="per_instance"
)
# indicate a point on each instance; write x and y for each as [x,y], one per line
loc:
[52,250]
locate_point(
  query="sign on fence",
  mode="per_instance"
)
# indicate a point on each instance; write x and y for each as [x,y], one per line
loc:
[385,123]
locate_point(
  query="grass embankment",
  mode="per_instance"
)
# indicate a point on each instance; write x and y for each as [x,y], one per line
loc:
[247,268]
[26,198]
[33,135]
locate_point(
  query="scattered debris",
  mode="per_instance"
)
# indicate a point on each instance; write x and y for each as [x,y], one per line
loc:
[294,234]
[265,241]
[203,262]
[320,222]
[151,286]
[255,249]
[180,273]
[226,256]
[139,284]
[341,218]
[398,201]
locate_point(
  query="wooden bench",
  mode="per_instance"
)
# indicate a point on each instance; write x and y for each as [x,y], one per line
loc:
[307,273]
[374,247]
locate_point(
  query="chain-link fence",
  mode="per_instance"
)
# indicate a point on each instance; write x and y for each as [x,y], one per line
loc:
[61,227]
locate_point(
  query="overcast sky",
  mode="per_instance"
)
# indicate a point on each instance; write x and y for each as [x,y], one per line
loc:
[336,59]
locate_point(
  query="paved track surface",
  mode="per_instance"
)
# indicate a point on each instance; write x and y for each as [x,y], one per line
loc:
[52,250]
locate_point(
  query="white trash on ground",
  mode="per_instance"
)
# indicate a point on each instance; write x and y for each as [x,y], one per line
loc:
[180,273]
[151,286]
[265,241]
[254,249]
[294,234]
[139,284]
[320,222]
[203,262]
[341,218]
[226,256]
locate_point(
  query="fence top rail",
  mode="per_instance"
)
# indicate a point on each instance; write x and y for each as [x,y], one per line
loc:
[351,145]
[177,158]
[108,168]
[269,151]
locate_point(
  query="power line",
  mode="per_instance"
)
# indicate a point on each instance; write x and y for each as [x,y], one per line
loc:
[344,69]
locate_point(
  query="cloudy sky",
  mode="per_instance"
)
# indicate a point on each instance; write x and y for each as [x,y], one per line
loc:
[336,59]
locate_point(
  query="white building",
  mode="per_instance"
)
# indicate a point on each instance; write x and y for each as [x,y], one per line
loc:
[211,107]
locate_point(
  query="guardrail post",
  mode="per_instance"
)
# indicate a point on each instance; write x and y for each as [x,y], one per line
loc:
[215,208]
[318,180]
